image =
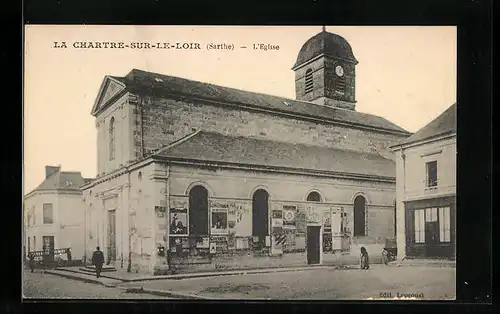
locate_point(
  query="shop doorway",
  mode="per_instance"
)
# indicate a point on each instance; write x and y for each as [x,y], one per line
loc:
[48,248]
[313,244]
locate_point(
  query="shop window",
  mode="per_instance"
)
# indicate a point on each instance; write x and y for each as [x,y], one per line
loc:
[359,216]
[431,174]
[444,224]
[419,226]
[198,211]
[431,215]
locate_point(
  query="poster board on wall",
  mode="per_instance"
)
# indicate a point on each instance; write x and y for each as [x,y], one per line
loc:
[238,217]
[178,221]
[219,220]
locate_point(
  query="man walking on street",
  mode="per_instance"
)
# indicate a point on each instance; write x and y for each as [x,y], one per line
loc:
[98,261]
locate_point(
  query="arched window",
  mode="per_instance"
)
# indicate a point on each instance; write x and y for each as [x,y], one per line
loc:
[314,197]
[309,81]
[112,138]
[359,216]
[260,216]
[198,211]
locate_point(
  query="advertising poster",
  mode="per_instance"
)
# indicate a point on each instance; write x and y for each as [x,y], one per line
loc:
[178,221]
[219,221]
[289,215]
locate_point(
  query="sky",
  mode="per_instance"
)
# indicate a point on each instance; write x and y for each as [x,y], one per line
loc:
[405,74]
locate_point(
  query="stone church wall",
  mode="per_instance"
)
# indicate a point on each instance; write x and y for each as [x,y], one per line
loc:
[166,120]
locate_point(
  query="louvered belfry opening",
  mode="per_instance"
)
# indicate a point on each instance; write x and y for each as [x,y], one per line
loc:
[340,84]
[309,81]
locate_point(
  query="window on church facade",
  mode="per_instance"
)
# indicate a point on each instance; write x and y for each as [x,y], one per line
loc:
[309,81]
[112,139]
[359,216]
[314,197]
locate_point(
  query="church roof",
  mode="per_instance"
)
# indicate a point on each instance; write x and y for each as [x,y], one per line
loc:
[146,83]
[218,148]
[63,180]
[325,43]
[445,123]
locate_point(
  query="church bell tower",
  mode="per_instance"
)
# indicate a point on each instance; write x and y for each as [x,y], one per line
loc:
[325,71]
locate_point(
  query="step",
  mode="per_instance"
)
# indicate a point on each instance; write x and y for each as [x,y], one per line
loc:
[105,268]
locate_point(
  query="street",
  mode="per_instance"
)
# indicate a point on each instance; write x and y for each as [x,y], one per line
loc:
[429,283]
[54,287]
[390,282]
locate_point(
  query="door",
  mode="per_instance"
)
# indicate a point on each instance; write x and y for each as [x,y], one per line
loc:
[48,248]
[313,247]
[431,238]
[111,235]
[431,232]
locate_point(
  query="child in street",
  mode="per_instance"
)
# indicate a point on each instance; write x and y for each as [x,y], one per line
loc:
[365,260]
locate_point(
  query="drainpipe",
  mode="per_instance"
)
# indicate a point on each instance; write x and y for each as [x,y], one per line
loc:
[403,157]
[167,211]
[129,265]
[85,236]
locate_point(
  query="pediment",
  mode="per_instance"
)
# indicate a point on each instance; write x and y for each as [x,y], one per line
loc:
[110,88]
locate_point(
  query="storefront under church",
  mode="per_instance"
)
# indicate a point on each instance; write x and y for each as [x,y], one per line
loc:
[225,178]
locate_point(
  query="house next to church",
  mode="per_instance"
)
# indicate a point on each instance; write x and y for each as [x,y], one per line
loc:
[426,189]
[229,178]
[54,214]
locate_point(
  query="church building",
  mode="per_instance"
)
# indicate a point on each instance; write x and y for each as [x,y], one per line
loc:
[226,178]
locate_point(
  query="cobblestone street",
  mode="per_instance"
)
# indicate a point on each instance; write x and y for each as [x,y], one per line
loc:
[430,283]
[46,286]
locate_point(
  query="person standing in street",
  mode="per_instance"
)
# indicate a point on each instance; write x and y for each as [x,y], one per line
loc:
[32,262]
[98,261]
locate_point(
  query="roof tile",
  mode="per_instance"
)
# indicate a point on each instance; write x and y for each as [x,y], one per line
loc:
[144,83]
[215,147]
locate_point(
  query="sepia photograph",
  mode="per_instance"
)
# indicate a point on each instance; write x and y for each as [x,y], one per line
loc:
[239,162]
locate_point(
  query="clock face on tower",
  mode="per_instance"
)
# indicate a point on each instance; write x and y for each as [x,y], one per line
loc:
[339,70]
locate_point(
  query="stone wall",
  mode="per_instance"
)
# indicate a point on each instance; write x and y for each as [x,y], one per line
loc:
[164,121]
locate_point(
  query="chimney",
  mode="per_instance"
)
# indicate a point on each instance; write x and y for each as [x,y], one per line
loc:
[50,170]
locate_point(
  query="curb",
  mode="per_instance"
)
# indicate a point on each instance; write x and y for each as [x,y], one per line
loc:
[165,293]
[233,273]
[79,278]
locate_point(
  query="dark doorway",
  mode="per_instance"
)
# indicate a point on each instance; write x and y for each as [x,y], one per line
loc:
[359,216]
[48,248]
[198,211]
[260,217]
[111,236]
[313,247]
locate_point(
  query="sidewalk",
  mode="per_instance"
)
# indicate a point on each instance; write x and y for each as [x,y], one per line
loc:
[114,283]
[122,275]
